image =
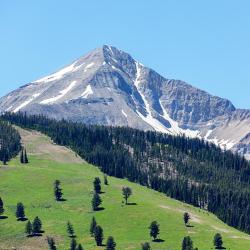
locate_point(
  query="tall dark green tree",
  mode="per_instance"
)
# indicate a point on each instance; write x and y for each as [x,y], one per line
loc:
[105,178]
[145,246]
[127,192]
[79,247]
[25,157]
[70,230]
[51,243]
[57,190]
[93,225]
[73,244]
[154,229]
[20,214]
[37,226]
[28,228]
[97,185]
[21,156]
[218,243]
[98,235]
[1,207]
[96,202]
[187,243]
[110,243]
[186,218]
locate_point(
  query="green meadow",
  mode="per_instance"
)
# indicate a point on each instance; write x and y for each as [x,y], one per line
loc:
[32,184]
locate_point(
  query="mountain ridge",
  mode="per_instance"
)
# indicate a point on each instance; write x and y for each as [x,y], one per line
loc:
[108,86]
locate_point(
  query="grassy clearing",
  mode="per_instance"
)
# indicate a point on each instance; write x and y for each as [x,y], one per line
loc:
[33,185]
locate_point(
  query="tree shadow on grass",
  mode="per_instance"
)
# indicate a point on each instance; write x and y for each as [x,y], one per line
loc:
[131,204]
[159,240]
[100,209]
[220,248]
[3,217]
[22,219]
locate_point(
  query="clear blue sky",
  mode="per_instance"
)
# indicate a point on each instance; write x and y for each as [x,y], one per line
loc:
[205,43]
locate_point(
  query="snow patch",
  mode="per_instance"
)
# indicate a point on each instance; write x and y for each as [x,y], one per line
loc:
[88,91]
[124,113]
[59,74]
[209,132]
[61,94]
[89,66]
[26,102]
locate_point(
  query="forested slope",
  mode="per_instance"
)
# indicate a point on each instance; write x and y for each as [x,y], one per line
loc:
[189,170]
[9,141]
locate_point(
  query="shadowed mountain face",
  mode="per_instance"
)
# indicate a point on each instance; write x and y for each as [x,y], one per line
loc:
[109,87]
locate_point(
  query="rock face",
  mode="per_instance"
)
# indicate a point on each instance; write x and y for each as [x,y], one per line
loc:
[107,86]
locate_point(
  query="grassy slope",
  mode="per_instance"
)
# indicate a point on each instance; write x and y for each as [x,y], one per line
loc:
[33,185]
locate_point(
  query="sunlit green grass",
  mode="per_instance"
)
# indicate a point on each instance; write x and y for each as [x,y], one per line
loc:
[32,184]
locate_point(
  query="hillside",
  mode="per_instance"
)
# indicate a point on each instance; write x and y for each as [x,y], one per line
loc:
[32,184]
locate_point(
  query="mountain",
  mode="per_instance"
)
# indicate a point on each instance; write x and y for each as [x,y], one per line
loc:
[107,86]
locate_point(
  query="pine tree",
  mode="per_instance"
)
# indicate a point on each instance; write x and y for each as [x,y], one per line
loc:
[145,246]
[97,185]
[79,247]
[105,177]
[73,244]
[57,190]
[98,235]
[96,202]
[70,230]
[126,191]
[25,159]
[37,225]
[110,243]
[186,218]
[93,225]
[21,157]
[218,243]
[28,228]
[187,243]
[154,229]
[20,214]
[1,207]
[51,243]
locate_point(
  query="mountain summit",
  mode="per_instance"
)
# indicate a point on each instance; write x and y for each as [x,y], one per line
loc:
[107,86]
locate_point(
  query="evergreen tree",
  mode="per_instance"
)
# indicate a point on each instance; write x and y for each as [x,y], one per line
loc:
[93,225]
[28,228]
[25,157]
[145,246]
[97,185]
[37,225]
[70,230]
[187,243]
[218,243]
[57,190]
[79,247]
[21,157]
[126,191]
[98,235]
[154,229]
[105,177]
[186,218]
[73,244]
[20,214]
[51,243]
[96,202]
[110,243]
[1,207]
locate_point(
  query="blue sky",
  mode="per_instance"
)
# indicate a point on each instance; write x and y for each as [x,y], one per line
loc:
[205,43]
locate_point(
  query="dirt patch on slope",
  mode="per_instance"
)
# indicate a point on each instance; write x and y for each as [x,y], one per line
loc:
[39,144]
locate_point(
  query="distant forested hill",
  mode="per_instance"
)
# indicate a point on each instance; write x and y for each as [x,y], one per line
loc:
[189,170]
[9,141]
